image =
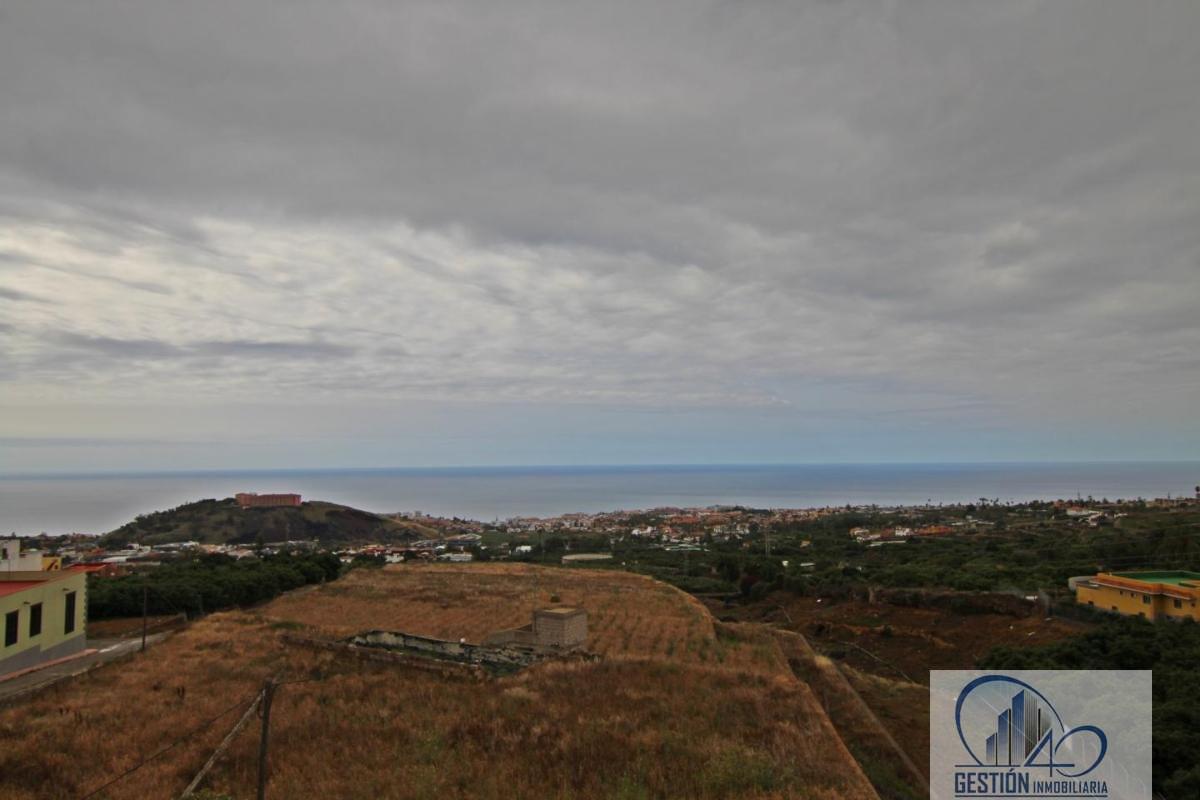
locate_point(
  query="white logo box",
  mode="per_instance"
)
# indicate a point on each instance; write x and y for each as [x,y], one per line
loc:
[1045,734]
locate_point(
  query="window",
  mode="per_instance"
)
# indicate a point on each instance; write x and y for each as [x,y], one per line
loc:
[1179,603]
[35,620]
[11,621]
[1146,599]
[69,616]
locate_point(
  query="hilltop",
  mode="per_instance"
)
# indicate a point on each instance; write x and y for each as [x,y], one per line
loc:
[223,522]
[676,705]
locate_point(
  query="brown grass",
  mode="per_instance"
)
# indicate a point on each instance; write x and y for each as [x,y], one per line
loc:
[888,761]
[902,707]
[716,717]
[627,614]
[121,627]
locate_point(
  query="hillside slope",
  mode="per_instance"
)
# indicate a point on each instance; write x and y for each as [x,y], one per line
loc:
[223,522]
[676,707]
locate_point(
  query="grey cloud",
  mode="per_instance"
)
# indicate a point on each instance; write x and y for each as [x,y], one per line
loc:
[145,286]
[273,349]
[154,349]
[710,203]
[17,295]
[117,348]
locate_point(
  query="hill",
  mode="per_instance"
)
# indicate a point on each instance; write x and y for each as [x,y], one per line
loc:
[677,706]
[223,522]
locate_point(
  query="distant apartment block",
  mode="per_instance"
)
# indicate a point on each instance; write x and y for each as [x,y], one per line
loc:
[252,500]
[1153,595]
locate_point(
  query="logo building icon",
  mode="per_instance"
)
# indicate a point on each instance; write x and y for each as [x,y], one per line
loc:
[1020,728]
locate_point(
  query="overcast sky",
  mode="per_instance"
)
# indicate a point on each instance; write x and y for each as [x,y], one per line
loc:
[255,234]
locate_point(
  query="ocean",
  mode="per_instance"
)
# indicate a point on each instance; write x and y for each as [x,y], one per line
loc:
[95,503]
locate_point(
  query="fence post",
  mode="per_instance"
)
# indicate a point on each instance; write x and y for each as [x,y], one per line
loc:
[267,695]
[145,607]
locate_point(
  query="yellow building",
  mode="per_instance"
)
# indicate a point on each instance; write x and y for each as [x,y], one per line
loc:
[43,612]
[1153,595]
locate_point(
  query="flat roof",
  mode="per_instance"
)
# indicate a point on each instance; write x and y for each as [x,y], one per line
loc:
[1171,577]
[560,610]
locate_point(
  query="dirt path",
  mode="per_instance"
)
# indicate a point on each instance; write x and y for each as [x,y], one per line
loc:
[105,651]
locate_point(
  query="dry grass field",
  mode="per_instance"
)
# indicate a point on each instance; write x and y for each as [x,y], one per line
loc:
[902,707]
[128,626]
[627,614]
[677,708]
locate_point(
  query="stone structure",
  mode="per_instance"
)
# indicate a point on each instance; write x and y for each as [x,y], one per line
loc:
[495,659]
[557,628]
[562,627]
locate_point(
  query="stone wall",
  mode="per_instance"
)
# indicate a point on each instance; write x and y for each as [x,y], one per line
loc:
[560,628]
[492,658]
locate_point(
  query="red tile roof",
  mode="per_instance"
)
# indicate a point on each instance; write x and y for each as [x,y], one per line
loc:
[12,587]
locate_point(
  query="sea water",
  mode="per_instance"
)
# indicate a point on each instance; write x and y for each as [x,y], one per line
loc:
[95,503]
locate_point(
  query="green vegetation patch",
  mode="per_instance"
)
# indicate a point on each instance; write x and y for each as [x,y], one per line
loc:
[207,583]
[1171,650]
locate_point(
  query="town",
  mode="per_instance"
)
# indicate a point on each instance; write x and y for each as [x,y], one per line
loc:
[863,590]
[668,529]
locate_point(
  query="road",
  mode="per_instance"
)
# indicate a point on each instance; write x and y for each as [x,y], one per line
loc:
[106,650]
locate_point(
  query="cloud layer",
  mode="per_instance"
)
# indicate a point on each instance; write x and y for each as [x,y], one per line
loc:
[868,216]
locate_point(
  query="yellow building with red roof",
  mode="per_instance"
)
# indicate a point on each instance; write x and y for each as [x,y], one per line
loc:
[1153,595]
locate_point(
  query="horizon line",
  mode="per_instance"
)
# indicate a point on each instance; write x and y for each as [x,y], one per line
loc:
[151,472]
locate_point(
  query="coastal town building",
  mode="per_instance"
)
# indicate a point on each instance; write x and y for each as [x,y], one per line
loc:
[252,500]
[1153,595]
[44,611]
[104,569]
[13,558]
[574,558]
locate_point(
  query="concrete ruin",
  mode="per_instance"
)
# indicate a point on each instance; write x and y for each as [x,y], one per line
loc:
[560,631]
[497,660]
[561,628]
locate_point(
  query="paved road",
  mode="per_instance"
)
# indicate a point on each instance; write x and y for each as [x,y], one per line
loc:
[106,650]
